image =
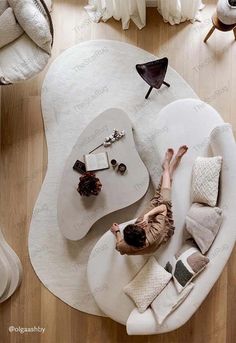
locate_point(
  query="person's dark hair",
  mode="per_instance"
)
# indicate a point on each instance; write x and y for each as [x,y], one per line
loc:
[134,235]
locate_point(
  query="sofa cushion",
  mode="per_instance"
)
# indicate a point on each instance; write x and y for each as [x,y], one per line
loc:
[147,284]
[3,6]
[187,264]
[203,223]
[205,180]
[32,19]
[9,28]
[168,301]
[21,60]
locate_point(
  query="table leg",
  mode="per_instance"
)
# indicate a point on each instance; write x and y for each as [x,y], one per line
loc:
[234,32]
[148,93]
[209,34]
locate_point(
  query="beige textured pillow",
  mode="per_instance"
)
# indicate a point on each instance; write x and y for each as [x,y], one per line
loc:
[203,223]
[205,180]
[147,284]
[9,29]
[3,6]
[33,21]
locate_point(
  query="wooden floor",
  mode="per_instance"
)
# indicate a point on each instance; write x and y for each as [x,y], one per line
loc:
[211,71]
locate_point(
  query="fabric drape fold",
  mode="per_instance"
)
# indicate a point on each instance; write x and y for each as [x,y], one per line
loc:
[125,11]
[172,11]
[178,11]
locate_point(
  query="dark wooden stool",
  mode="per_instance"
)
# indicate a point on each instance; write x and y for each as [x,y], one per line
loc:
[217,24]
[154,73]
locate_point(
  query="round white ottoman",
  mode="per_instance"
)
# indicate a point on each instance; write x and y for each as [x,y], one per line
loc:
[188,122]
[10,270]
[5,274]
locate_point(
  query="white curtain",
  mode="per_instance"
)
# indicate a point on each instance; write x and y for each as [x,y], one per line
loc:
[125,10]
[177,11]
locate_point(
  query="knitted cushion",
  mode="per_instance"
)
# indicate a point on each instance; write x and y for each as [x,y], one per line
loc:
[147,284]
[31,18]
[9,28]
[205,180]
[203,223]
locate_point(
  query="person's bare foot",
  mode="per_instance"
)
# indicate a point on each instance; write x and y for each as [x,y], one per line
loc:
[168,157]
[177,159]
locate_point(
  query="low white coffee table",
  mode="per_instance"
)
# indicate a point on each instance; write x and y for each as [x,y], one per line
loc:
[77,214]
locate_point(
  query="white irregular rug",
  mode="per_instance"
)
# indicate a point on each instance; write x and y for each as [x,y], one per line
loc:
[82,82]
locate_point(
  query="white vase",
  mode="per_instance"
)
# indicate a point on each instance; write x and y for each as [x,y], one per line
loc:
[226,13]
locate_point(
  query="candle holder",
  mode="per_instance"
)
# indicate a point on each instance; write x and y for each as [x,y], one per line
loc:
[122,168]
[114,163]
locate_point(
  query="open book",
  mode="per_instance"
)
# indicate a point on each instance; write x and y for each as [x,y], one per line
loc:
[96,161]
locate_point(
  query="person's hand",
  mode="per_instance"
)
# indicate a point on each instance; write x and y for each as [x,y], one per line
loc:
[114,228]
[144,222]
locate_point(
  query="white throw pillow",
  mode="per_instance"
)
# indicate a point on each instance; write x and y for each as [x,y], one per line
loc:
[203,223]
[32,20]
[205,180]
[9,28]
[168,301]
[3,6]
[147,284]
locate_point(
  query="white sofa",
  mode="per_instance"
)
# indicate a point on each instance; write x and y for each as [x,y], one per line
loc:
[23,59]
[188,122]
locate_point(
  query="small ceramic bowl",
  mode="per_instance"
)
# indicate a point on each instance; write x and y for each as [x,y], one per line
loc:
[114,163]
[122,168]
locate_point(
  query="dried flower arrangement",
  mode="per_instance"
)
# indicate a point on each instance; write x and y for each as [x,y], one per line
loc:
[109,140]
[89,184]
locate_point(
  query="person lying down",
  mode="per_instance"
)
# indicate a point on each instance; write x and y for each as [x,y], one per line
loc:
[155,225]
